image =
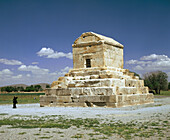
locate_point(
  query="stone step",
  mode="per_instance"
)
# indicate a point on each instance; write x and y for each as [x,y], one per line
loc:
[134,83]
[96,100]
[99,83]
[132,90]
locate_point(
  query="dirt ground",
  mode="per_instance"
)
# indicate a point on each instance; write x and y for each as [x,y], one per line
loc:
[153,120]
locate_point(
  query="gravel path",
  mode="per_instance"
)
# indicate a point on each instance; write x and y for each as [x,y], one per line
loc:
[161,105]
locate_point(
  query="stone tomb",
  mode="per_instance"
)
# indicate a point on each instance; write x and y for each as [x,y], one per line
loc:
[97,77]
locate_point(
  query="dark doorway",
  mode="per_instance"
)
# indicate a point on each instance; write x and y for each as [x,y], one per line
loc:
[88,63]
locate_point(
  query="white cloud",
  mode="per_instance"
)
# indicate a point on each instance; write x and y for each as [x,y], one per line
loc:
[7,76]
[66,69]
[131,61]
[149,63]
[5,73]
[154,56]
[41,71]
[63,71]
[45,52]
[159,62]
[49,53]
[17,76]
[138,67]
[30,74]
[10,62]
[33,69]
[35,63]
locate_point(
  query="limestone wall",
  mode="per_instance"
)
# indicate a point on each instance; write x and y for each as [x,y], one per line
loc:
[93,52]
[113,56]
[86,38]
[101,50]
[97,101]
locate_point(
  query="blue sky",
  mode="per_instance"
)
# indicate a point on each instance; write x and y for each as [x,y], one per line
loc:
[33,30]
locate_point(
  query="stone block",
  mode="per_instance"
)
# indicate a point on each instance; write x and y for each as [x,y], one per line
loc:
[94,76]
[93,99]
[118,83]
[60,78]
[71,85]
[54,83]
[46,100]
[87,91]
[112,99]
[66,75]
[64,99]
[112,105]
[106,83]
[103,91]
[63,92]
[50,91]
[127,90]
[76,91]
[103,76]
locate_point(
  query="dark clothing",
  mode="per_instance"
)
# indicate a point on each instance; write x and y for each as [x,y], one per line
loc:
[15,102]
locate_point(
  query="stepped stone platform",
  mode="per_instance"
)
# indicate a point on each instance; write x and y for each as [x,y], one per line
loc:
[97,78]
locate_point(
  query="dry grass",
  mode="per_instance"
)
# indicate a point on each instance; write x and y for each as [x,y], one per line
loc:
[107,128]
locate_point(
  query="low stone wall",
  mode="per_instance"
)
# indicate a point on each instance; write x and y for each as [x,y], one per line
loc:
[96,101]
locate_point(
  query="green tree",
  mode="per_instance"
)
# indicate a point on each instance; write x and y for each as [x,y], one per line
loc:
[37,88]
[9,89]
[156,81]
[20,88]
[15,89]
[169,86]
[47,86]
[3,89]
[30,88]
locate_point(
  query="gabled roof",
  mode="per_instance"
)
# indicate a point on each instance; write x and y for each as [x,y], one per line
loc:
[105,39]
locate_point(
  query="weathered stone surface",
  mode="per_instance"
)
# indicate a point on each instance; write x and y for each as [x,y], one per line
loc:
[47,100]
[93,99]
[55,83]
[97,78]
[65,99]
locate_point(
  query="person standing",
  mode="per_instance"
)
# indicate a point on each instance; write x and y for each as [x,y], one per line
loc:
[15,102]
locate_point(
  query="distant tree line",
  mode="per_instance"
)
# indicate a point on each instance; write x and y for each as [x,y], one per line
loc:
[32,88]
